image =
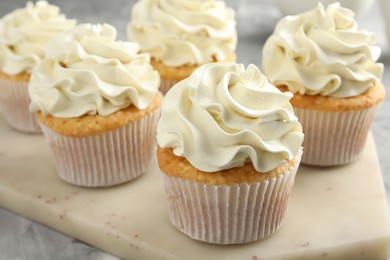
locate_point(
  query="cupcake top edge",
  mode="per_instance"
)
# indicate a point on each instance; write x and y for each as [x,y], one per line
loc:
[178,33]
[25,32]
[322,52]
[86,72]
[225,115]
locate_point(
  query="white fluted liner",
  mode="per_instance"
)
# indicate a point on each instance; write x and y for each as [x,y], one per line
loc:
[15,103]
[234,214]
[106,159]
[165,85]
[334,138]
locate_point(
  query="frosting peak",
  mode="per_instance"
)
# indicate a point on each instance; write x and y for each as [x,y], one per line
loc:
[323,52]
[224,115]
[86,71]
[184,32]
[24,34]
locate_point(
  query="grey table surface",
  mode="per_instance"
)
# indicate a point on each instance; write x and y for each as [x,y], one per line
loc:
[21,238]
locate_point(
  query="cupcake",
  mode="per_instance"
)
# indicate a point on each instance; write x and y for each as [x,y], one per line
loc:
[229,146]
[182,35]
[97,102]
[24,34]
[331,67]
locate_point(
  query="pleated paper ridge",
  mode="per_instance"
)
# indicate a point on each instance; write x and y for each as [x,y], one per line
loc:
[334,138]
[234,214]
[106,159]
[15,103]
[166,85]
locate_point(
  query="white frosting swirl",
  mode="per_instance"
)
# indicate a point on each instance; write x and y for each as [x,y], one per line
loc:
[224,115]
[322,52]
[85,71]
[24,34]
[184,32]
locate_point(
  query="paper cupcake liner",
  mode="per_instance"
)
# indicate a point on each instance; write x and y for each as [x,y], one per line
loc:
[106,159]
[166,85]
[334,138]
[234,214]
[15,103]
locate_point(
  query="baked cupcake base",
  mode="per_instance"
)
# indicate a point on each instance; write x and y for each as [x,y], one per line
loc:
[172,75]
[98,157]
[15,101]
[232,213]
[166,85]
[335,129]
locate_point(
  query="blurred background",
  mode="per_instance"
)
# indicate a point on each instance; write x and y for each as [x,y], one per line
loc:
[22,239]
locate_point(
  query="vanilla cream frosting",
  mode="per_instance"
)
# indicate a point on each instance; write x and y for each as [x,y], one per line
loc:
[224,115]
[24,34]
[323,52]
[184,32]
[86,71]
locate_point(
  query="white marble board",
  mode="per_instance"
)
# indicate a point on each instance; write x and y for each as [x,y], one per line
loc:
[333,213]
